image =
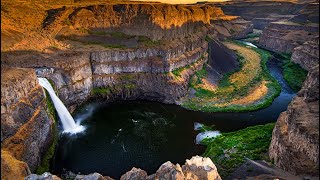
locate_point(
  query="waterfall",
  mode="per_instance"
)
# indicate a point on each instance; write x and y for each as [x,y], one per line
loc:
[68,123]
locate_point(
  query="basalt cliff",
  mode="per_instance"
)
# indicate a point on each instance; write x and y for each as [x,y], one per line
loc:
[97,52]
[123,51]
[295,140]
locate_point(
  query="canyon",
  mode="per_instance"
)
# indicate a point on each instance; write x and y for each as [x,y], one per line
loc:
[145,51]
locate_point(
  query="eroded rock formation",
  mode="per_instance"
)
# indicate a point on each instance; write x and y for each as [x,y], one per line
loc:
[284,36]
[307,55]
[197,168]
[295,139]
[26,127]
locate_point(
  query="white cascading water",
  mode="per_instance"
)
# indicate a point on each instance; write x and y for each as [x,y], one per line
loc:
[68,123]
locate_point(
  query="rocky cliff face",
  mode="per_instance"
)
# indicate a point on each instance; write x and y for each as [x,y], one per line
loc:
[197,168]
[284,36]
[295,139]
[26,128]
[160,21]
[307,55]
[261,13]
[124,74]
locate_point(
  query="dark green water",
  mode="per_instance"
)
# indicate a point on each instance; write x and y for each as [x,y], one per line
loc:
[141,134]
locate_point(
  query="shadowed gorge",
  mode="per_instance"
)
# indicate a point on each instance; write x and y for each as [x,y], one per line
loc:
[211,90]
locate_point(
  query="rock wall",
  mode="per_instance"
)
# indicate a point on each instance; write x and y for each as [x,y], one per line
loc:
[307,55]
[197,168]
[295,138]
[121,74]
[160,21]
[26,128]
[283,37]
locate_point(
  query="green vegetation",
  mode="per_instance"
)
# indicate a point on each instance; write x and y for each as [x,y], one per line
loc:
[177,72]
[105,91]
[231,88]
[101,91]
[147,41]
[293,73]
[229,150]
[120,35]
[45,163]
[113,46]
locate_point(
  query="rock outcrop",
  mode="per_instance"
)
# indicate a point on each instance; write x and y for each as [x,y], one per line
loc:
[283,37]
[11,168]
[26,127]
[197,168]
[307,55]
[295,138]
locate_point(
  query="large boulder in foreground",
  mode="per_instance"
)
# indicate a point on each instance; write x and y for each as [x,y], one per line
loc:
[197,168]
[11,168]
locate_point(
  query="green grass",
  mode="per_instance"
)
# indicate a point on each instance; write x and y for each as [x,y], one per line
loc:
[112,46]
[274,89]
[177,72]
[229,150]
[45,163]
[293,73]
[147,41]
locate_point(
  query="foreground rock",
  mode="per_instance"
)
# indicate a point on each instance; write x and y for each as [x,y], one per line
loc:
[295,139]
[197,168]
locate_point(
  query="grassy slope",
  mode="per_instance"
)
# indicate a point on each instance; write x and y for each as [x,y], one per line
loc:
[293,73]
[229,150]
[231,88]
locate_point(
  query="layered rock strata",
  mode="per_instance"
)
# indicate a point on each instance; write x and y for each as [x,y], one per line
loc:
[307,55]
[283,37]
[126,74]
[160,21]
[197,168]
[26,127]
[295,138]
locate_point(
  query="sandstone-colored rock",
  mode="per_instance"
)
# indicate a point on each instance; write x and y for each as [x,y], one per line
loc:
[295,138]
[161,21]
[11,168]
[134,174]
[169,171]
[198,168]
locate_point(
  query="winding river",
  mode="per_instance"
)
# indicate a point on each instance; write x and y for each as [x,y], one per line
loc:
[143,134]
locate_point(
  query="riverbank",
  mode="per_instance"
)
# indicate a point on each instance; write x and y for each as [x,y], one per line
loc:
[229,150]
[247,89]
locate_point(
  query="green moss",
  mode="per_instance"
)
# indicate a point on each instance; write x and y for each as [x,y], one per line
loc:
[229,150]
[293,73]
[101,91]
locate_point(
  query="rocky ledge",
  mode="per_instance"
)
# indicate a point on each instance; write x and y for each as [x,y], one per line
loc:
[284,36]
[26,127]
[195,168]
[307,55]
[295,139]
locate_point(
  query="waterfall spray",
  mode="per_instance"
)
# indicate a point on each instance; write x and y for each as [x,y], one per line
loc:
[68,123]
